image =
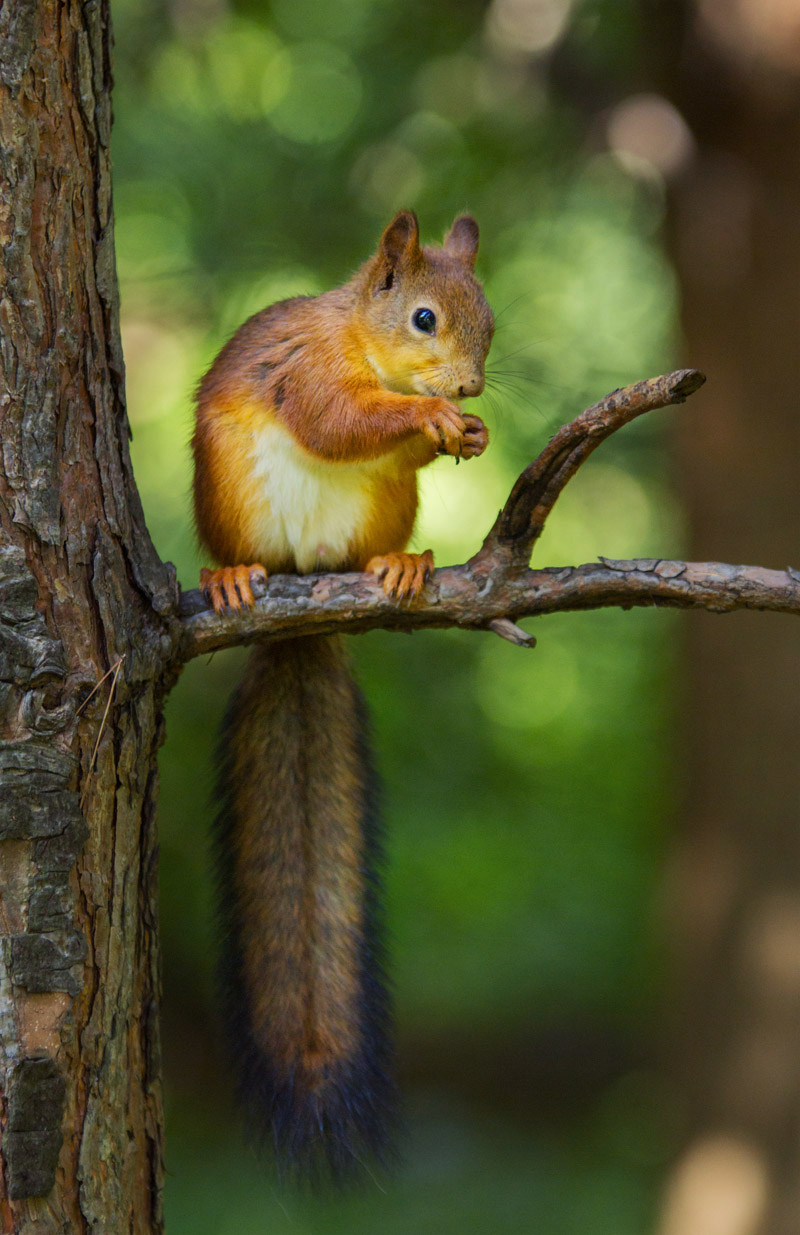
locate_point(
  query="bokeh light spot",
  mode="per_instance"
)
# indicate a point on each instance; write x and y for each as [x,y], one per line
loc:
[239,70]
[385,174]
[323,95]
[527,26]
[649,128]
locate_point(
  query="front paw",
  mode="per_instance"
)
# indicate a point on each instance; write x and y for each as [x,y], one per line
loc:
[476,436]
[443,425]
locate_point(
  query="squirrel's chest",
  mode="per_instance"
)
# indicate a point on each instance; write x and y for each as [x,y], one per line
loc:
[307,509]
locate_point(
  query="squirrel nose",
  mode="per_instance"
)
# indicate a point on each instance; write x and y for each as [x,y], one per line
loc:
[473,386]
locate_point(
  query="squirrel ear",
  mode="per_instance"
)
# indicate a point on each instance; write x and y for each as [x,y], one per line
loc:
[399,246]
[401,238]
[461,241]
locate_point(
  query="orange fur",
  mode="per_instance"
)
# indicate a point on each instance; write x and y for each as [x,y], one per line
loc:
[311,426]
[349,379]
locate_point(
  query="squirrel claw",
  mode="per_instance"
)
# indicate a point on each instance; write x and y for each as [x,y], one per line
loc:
[403,575]
[231,586]
[476,437]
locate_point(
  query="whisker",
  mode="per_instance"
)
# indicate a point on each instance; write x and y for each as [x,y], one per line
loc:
[521,399]
[525,384]
[512,373]
[514,396]
[529,373]
[497,409]
[503,383]
[523,348]
[511,303]
[536,341]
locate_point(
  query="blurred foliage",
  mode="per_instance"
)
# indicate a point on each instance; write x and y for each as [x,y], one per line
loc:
[259,149]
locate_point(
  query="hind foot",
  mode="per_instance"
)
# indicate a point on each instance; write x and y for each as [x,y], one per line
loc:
[403,575]
[231,586]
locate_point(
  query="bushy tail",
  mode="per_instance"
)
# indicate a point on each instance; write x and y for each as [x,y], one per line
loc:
[298,855]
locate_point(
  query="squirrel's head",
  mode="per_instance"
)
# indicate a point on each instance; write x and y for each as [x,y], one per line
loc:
[428,325]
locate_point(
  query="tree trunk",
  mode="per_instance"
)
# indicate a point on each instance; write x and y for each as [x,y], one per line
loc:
[91,639]
[84,603]
[735,885]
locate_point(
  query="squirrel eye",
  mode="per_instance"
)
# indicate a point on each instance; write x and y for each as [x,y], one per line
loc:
[424,320]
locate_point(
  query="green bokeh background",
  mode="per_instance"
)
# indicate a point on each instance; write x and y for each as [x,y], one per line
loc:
[259,149]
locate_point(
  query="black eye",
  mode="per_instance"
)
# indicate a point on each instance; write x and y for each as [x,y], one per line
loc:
[424,320]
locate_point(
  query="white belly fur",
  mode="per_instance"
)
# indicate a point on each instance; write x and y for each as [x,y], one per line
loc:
[311,509]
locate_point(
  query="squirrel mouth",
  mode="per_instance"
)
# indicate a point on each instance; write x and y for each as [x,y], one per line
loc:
[438,391]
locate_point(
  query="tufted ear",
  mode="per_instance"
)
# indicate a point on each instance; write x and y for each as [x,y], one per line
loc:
[461,241]
[399,247]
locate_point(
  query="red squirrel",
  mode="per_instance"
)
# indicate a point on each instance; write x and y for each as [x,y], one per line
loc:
[312,423]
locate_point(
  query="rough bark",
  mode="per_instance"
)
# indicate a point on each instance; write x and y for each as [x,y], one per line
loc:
[81,590]
[290,606]
[92,634]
